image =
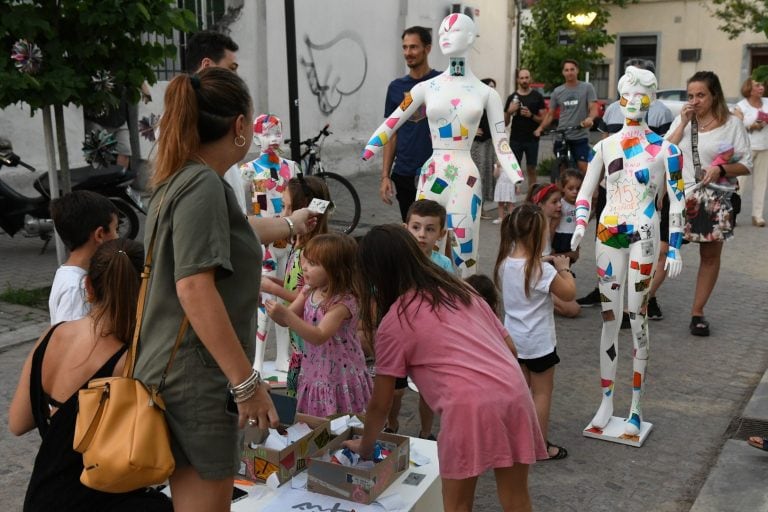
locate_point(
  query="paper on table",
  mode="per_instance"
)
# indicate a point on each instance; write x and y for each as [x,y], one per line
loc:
[339,425]
[294,499]
[297,431]
[392,503]
[419,458]
[275,441]
[299,481]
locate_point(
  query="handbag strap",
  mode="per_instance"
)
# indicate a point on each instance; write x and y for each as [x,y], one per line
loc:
[131,358]
[698,173]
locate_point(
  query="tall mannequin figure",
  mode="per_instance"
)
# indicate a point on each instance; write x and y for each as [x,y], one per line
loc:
[637,164]
[268,176]
[455,101]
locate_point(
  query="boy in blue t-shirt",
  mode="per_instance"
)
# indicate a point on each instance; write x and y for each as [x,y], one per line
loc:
[426,222]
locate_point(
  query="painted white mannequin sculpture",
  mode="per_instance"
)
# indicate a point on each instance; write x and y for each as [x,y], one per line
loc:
[268,176]
[636,163]
[454,101]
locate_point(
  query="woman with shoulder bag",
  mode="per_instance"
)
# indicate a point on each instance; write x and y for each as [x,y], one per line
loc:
[753,112]
[715,150]
[65,359]
[206,266]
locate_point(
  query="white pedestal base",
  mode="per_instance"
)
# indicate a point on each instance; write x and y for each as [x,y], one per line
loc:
[275,377]
[614,432]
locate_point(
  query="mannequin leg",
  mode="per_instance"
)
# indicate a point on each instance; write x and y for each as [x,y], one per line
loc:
[611,266]
[263,322]
[282,337]
[464,222]
[643,257]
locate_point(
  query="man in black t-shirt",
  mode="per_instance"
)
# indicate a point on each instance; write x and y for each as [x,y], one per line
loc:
[524,107]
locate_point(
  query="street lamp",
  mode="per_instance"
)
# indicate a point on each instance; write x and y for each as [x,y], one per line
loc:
[582,20]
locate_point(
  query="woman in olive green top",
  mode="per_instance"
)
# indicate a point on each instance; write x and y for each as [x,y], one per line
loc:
[207,266]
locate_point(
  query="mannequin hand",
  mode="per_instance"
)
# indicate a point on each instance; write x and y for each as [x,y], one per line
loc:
[578,234]
[673,266]
[386,190]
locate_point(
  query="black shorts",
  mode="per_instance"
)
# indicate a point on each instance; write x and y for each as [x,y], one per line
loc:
[541,364]
[401,382]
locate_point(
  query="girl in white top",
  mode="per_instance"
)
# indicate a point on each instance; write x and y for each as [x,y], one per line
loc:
[753,112]
[528,307]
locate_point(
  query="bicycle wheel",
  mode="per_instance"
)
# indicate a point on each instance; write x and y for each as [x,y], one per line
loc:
[346,202]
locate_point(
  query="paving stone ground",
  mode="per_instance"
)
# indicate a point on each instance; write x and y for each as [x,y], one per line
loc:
[696,388]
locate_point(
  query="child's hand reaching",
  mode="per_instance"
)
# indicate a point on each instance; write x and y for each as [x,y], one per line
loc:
[278,312]
[356,446]
[561,262]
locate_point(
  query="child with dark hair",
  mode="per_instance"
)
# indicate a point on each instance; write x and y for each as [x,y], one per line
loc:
[333,378]
[425,220]
[468,373]
[298,194]
[83,220]
[485,287]
[570,183]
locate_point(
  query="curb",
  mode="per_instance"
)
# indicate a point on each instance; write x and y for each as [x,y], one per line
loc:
[22,335]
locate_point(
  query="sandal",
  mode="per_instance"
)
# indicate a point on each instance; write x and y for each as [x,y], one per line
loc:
[699,326]
[561,452]
[759,442]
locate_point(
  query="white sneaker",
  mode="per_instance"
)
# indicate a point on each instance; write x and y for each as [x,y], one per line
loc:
[496,221]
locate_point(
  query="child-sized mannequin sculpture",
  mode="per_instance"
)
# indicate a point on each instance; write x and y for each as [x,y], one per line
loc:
[269,175]
[454,101]
[637,163]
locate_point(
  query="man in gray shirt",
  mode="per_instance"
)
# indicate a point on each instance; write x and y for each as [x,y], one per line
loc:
[578,107]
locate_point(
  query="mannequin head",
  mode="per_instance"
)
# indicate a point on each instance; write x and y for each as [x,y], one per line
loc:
[457,34]
[638,90]
[268,131]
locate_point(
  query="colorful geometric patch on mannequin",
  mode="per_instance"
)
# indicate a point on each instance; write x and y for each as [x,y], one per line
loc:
[454,130]
[635,420]
[678,185]
[407,100]
[632,122]
[476,202]
[654,146]
[438,186]
[451,20]
[643,285]
[618,237]
[608,315]
[504,147]
[650,209]
[615,165]
[642,176]
[471,180]
[611,352]
[378,140]
[644,268]
[451,172]
[607,386]
[631,146]
[391,122]
[277,204]
[674,162]
[591,155]
[676,241]
[605,273]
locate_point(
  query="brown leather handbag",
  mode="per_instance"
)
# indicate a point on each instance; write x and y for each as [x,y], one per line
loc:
[121,429]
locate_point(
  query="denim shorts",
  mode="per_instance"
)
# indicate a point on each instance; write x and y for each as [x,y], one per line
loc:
[579,149]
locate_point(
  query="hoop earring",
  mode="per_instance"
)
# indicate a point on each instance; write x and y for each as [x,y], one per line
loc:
[240,141]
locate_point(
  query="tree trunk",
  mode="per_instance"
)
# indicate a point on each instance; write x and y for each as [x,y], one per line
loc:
[61,140]
[53,179]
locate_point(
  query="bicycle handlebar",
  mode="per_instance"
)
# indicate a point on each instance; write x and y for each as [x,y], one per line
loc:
[562,131]
[12,160]
[313,140]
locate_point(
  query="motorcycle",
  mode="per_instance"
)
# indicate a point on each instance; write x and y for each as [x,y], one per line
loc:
[31,215]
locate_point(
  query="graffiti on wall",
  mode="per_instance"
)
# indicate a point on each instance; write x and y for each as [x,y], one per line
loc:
[335,69]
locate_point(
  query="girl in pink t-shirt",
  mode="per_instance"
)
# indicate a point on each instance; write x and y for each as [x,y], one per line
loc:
[433,327]
[333,376]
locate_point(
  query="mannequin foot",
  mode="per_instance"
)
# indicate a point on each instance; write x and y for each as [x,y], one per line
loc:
[632,427]
[604,413]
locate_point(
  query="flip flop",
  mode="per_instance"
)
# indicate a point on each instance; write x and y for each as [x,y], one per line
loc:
[699,326]
[759,442]
[561,452]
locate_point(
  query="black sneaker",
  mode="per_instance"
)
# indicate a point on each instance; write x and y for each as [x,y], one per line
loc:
[654,311]
[591,299]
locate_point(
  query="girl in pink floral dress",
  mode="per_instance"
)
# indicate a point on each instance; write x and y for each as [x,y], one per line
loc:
[333,376]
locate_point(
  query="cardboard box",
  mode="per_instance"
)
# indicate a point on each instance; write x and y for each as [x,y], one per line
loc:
[358,484]
[257,464]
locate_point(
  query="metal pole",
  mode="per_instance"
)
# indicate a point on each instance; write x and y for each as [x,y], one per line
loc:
[293,79]
[53,177]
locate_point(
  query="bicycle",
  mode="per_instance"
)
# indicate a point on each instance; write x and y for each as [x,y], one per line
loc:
[563,157]
[344,215]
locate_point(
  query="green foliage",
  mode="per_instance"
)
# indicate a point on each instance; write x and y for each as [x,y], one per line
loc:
[81,37]
[741,16]
[760,74]
[541,51]
[35,298]
[545,167]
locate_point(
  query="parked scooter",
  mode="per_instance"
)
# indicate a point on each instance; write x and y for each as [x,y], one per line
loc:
[31,215]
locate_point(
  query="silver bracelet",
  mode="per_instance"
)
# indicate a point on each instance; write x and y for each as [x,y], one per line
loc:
[247,388]
[291,228]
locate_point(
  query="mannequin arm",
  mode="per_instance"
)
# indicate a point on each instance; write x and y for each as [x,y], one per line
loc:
[676,192]
[400,115]
[495,113]
[583,200]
